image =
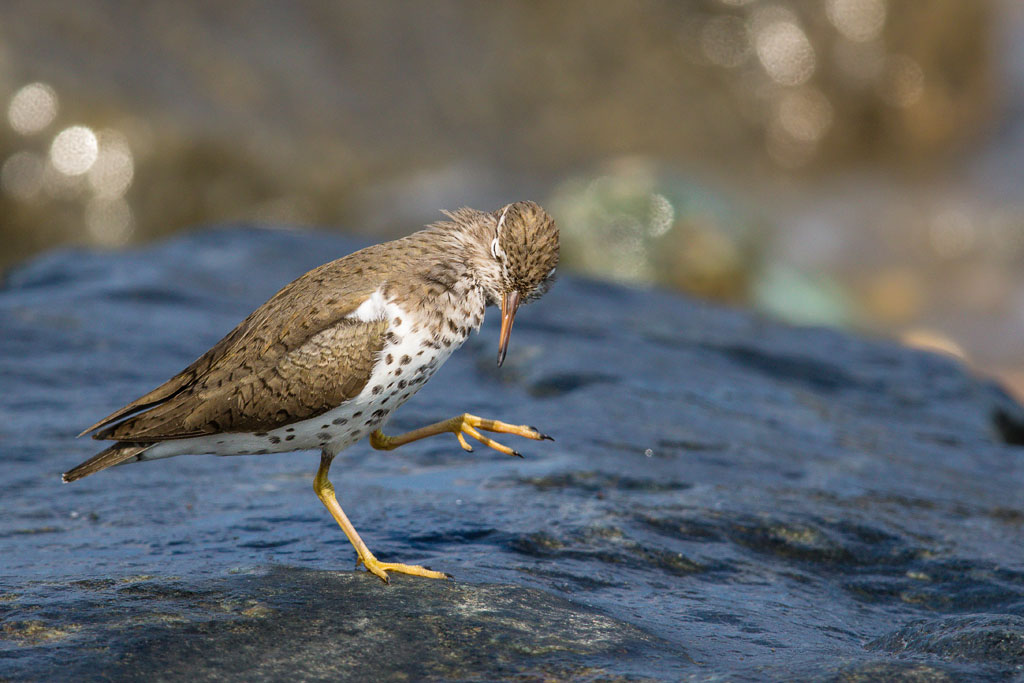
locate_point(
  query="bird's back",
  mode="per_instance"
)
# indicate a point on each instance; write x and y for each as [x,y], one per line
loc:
[300,330]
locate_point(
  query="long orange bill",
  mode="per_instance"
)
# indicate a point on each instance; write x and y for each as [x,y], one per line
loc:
[509,304]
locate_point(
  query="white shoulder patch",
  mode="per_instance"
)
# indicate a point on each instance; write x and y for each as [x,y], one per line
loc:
[374,308]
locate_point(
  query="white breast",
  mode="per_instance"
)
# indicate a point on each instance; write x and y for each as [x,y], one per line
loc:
[374,308]
[413,350]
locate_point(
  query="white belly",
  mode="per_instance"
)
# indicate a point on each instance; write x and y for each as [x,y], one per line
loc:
[408,359]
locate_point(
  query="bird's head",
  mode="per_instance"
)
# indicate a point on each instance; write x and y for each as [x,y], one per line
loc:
[524,249]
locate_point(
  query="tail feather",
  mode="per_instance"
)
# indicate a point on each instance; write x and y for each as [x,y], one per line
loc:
[115,455]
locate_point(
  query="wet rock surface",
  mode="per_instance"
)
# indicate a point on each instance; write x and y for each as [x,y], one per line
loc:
[726,497]
[299,624]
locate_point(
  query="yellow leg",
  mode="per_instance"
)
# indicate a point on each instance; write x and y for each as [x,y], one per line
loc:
[325,492]
[459,425]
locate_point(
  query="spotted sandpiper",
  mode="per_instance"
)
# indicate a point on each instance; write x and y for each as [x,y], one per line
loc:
[328,358]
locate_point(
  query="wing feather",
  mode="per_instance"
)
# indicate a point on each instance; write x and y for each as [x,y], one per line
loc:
[332,367]
[293,358]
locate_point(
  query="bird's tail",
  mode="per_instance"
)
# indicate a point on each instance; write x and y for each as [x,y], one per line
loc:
[115,455]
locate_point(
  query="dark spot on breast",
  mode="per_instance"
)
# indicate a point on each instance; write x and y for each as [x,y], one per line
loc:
[380,413]
[398,371]
[289,437]
[377,389]
[324,436]
[394,338]
[401,384]
[290,429]
[262,451]
[359,414]
[406,395]
[220,442]
[405,360]
[260,434]
[398,321]
[275,440]
[420,352]
[389,359]
[325,426]
[385,399]
[340,420]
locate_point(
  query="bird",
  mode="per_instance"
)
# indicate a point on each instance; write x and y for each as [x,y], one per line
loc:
[327,360]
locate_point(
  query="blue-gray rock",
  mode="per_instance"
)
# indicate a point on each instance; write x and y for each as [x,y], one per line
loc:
[727,497]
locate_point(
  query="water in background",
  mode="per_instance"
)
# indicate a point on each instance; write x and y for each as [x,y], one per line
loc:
[850,162]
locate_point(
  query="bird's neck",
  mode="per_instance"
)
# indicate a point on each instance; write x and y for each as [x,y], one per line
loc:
[468,236]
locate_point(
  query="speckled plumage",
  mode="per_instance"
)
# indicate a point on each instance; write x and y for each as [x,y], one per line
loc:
[306,371]
[327,359]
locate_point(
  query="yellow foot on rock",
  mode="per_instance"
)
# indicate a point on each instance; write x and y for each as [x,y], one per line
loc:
[381,569]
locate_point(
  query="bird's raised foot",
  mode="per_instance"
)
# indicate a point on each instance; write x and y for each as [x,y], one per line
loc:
[469,424]
[381,569]
[461,426]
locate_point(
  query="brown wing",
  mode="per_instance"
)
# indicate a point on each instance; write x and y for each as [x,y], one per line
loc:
[183,379]
[253,376]
[332,367]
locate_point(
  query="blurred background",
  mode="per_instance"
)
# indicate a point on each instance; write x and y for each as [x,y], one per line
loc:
[856,163]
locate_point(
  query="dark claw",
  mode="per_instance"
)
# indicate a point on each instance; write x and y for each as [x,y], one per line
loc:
[448,576]
[543,437]
[517,454]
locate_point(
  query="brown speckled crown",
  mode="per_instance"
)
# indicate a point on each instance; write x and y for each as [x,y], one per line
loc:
[529,238]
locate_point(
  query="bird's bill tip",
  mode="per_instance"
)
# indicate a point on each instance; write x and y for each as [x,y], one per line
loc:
[509,304]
